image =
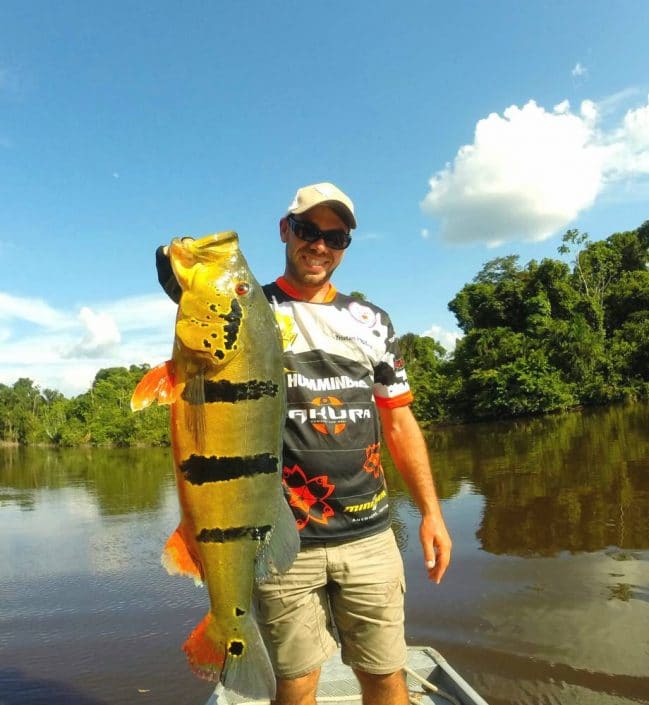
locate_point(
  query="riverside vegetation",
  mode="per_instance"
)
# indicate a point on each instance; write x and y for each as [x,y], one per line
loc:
[539,338]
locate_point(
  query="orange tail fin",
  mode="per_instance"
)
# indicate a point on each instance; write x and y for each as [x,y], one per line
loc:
[205,657]
[235,655]
[178,559]
[158,384]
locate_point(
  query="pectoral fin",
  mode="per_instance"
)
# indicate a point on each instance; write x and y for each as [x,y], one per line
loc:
[158,384]
[194,395]
[178,559]
[281,548]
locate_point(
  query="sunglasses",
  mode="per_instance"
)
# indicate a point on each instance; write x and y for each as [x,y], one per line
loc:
[336,239]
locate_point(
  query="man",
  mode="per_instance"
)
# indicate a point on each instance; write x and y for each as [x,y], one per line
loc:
[346,384]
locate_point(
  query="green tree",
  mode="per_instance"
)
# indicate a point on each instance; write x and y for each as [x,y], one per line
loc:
[53,415]
[627,298]
[427,375]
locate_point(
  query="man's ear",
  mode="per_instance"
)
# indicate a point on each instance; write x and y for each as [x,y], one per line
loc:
[283,229]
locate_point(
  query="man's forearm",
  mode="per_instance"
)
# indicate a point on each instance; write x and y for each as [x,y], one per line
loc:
[408,448]
[409,452]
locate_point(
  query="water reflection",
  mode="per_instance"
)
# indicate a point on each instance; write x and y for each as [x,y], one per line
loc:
[546,600]
[18,689]
[121,481]
[572,482]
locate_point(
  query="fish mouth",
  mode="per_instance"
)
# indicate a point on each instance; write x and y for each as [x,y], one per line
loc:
[209,247]
[222,238]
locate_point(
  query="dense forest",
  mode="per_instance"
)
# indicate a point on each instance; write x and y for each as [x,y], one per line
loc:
[539,338]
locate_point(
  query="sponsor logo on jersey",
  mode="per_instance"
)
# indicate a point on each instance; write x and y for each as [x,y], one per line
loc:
[365,506]
[307,496]
[324,384]
[363,314]
[329,415]
[372,464]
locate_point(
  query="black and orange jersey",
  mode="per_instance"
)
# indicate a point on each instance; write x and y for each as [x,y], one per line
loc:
[341,361]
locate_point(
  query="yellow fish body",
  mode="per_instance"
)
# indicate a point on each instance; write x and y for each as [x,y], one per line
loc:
[226,387]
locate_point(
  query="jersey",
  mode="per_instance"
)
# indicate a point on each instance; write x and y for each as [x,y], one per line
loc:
[341,361]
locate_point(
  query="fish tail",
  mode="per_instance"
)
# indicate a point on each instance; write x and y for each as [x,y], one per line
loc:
[178,559]
[238,659]
[158,384]
[205,656]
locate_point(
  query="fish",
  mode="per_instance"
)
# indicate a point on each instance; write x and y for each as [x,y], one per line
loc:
[225,385]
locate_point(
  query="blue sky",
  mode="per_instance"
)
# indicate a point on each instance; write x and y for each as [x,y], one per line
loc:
[462,133]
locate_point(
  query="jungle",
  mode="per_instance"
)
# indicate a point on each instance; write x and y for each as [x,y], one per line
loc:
[538,338]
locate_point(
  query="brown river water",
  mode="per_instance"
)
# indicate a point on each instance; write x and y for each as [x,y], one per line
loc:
[546,599]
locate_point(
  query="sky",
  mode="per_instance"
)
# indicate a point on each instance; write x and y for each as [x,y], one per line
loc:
[462,131]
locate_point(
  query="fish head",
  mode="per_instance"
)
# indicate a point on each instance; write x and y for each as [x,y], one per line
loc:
[219,294]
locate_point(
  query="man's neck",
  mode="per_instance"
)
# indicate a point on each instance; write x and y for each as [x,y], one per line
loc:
[313,294]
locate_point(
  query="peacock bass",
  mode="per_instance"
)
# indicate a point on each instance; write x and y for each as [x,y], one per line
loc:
[225,385]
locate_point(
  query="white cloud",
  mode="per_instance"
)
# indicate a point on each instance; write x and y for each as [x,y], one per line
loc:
[530,172]
[64,349]
[100,338]
[447,338]
[630,149]
[578,71]
[562,108]
[31,310]
[425,233]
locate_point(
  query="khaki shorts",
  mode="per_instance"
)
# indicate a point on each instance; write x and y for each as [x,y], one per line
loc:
[359,585]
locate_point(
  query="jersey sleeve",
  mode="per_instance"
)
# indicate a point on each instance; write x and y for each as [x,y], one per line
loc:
[391,387]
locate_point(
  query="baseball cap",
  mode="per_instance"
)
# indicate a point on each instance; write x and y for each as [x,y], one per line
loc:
[324,194]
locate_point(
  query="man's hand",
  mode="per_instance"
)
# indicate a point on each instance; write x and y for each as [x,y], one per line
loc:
[436,544]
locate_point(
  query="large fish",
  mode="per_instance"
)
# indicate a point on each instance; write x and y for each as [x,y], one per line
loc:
[226,387]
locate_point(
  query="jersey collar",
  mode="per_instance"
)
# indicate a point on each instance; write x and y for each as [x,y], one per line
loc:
[287,288]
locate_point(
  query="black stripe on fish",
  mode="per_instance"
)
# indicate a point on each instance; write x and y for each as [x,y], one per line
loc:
[233,321]
[234,533]
[199,469]
[226,391]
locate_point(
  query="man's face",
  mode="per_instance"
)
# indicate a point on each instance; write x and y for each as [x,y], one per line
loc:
[311,264]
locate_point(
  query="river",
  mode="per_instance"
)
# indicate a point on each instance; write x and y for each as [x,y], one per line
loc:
[546,599]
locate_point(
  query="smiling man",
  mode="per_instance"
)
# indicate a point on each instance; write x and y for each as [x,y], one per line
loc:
[316,237]
[346,385]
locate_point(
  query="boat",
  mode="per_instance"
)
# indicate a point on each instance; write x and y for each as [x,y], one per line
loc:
[431,680]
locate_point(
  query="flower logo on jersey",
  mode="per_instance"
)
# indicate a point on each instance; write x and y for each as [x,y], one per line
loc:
[363,314]
[372,464]
[328,415]
[308,495]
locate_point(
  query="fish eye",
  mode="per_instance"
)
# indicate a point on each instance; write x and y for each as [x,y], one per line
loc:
[242,288]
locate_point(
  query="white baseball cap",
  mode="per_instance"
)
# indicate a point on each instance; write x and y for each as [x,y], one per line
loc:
[324,194]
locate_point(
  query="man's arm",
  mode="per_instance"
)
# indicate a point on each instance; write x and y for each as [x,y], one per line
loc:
[166,275]
[407,446]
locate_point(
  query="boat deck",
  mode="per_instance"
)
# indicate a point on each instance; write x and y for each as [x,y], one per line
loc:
[338,683]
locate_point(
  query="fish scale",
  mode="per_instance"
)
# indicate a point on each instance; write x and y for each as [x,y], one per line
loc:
[226,390]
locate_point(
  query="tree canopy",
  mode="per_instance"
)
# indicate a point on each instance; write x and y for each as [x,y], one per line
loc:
[100,416]
[538,338]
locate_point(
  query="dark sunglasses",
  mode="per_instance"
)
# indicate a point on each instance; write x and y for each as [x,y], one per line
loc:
[336,239]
